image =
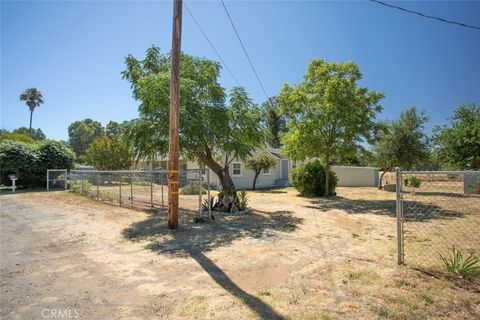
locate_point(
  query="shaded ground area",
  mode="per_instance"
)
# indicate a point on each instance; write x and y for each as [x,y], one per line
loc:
[291,258]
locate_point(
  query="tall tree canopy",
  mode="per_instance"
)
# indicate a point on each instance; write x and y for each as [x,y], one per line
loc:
[106,153]
[329,114]
[276,122]
[208,128]
[35,134]
[402,143]
[82,133]
[458,145]
[33,99]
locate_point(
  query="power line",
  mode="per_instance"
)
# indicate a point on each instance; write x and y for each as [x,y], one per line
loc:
[426,16]
[211,44]
[245,50]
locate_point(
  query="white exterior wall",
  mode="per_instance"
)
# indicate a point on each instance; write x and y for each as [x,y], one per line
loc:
[356,176]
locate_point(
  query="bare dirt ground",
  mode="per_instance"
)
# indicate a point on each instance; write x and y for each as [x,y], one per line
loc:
[291,258]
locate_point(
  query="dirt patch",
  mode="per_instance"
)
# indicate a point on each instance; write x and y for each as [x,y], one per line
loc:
[291,258]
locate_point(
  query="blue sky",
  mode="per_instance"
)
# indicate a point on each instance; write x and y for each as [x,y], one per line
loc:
[74,52]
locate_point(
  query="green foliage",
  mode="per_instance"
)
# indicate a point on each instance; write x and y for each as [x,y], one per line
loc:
[114,130]
[242,200]
[262,160]
[403,142]
[309,179]
[18,137]
[458,146]
[413,182]
[21,159]
[275,122]
[208,127]
[192,189]
[109,154]
[458,265]
[329,113]
[31,161]
[82,133]
[33,99]
[77,187]
[35,134]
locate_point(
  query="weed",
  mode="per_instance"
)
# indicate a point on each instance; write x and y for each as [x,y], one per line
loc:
[456,264]
[265,292]
[355,235]
[382,312]
[427,297]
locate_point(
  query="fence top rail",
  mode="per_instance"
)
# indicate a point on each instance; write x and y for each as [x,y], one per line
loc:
[440,172]
[134,171]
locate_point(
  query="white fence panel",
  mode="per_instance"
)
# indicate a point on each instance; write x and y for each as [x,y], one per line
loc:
[356,176]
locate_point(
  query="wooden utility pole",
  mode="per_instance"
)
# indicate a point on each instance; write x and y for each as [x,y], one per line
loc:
[173,147]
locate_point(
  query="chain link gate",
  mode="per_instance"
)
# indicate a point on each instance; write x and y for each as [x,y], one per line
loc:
[436,211]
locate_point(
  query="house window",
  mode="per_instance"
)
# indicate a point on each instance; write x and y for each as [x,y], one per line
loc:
[294,164]
[266,171]
[237,169]
[183,167]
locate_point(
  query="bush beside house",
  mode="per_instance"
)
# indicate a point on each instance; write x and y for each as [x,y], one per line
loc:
[309,179]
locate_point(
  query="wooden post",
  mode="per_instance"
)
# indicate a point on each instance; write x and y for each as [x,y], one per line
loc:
[173,147]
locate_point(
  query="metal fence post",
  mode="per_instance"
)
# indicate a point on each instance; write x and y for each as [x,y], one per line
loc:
[399,213]
[98,188]
[120,190]
[81,186]
[208,195]
[161,182]
[151,189]
[200,193]
[131,189]
[66,178]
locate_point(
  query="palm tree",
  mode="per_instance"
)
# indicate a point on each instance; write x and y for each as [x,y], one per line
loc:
[33,98]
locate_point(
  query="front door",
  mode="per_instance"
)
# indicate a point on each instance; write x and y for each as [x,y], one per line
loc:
[284,169]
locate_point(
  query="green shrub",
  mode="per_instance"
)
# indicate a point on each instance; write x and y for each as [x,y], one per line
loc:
[414,182]
[191,189]
[21,159]
[405,181]
[309,179]
[31,161]
[242,200]
[457,265]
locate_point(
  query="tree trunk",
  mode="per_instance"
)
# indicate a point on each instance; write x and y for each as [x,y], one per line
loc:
[255,179]
[222,173]
[30,128]
[381,177]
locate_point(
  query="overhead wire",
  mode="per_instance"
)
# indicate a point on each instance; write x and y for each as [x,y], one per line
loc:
[245,50]
[211,45]
[425,15]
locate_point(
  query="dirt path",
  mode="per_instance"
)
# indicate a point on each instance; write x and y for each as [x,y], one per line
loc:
[292,258]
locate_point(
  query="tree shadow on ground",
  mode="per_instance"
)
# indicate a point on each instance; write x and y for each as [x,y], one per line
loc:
[413,210]
[194,239]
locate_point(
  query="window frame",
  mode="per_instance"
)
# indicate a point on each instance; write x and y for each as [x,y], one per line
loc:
[233,169]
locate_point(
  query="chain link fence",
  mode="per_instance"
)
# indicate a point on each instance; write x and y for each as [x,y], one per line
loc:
[142,189]
[57,179]
[437,211]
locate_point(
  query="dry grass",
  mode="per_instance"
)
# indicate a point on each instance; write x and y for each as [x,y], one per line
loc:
[291,258]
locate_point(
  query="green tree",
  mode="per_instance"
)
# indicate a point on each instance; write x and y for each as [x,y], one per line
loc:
[458,145]
[114,130]
[82,133]
[258,162]
[210,131]
[275,122]
[106,153]
[33,99]
[19,137]
[402,143]
[329,114]
[35,134]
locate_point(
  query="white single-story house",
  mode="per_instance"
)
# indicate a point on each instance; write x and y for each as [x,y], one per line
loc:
[242,177]
[278,176]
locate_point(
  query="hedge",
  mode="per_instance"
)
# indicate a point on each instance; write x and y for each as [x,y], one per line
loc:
[30,161]
[309,179]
